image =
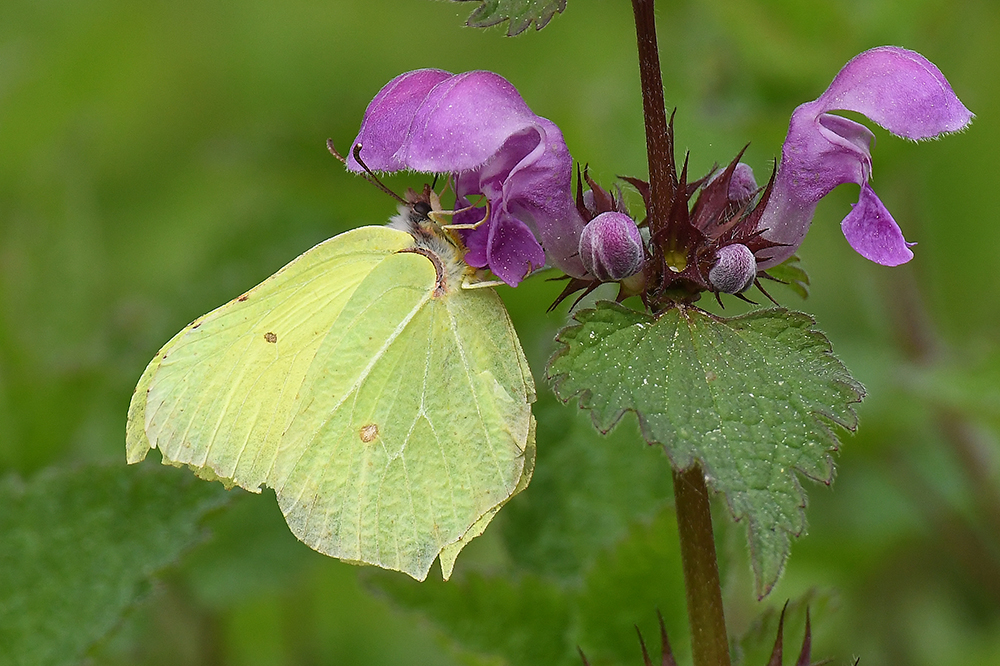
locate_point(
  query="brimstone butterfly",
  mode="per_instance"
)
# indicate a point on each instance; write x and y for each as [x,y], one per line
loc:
[387,406]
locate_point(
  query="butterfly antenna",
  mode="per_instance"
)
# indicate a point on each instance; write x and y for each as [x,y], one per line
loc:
[369,174]
[333,151]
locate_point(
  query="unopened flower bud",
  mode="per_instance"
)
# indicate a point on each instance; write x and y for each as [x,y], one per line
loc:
[743,185]
[734,270]
[611,247]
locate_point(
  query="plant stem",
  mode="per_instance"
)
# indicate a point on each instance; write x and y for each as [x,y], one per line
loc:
[709,641]
[658,144]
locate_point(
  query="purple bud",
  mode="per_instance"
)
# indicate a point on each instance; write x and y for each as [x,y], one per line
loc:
[742,185]
[898,89]
[734,270]
[611,247]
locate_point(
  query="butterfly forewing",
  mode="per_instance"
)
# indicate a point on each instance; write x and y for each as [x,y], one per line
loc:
[225,390]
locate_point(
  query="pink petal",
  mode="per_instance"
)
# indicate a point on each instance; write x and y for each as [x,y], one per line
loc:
[463,122]
[512,250]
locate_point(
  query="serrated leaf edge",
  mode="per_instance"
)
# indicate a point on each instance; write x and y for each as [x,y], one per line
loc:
[485,17]
[822,418]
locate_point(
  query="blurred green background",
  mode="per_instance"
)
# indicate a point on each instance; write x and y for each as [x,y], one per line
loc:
[158,158]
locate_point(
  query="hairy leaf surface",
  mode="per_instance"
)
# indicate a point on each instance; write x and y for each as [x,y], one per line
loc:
[520,13]
[751,399]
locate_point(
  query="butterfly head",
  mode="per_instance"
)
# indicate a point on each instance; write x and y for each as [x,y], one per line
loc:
[422,216]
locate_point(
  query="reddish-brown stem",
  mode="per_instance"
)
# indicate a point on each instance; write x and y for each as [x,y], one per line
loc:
[658,148]
[709,641]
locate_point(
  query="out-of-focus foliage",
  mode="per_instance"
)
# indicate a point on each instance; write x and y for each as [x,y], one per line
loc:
[78,547]
[158,158]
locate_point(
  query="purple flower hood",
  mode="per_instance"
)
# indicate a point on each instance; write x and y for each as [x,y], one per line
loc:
[477,128]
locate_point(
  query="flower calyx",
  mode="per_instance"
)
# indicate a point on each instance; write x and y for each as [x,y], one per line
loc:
[709,238]
[707,243]
[611,246]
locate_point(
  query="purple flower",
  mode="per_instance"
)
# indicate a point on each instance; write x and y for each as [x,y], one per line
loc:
[476,128]
[611,247]
[899,90]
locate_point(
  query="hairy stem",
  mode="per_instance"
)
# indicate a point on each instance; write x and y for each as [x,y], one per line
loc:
[709,641]
[658,148]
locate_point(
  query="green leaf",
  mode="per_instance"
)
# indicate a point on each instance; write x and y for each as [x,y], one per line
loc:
[751,399]
[78,547]
[521,13]
[792,274]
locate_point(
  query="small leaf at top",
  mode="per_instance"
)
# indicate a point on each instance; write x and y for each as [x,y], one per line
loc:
[751,399]
[521,13]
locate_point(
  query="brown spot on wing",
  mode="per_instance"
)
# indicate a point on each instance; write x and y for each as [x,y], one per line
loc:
[369,433]
[243,298]
[270,337]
